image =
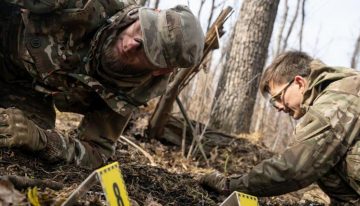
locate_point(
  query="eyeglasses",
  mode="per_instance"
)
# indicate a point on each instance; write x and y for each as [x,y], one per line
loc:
[277,98]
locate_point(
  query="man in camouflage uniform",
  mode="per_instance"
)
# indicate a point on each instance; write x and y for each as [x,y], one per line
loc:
[99,58]
[327,139]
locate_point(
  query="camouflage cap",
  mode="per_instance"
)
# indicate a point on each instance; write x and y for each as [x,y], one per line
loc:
[172,37]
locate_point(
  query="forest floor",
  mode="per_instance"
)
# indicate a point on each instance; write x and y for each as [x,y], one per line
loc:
[171,179]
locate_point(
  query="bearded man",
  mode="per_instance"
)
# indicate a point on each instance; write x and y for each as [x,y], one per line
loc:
[98,58]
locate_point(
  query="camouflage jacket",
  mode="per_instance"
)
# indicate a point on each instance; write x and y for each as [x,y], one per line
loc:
[58,44]
[327,142]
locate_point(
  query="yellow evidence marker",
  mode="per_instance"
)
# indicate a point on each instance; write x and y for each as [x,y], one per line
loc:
[111,181]
[113,185]
[240,199]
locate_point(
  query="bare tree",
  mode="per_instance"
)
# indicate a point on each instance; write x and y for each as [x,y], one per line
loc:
[212,9]
[262,105]
[302,24]
[278,127]
[281,29]
[238,84]
[200,8]
[292,23]
[156,4]
[356,54]
[281,39]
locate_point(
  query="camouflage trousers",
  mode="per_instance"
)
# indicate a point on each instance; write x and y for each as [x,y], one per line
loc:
[83,150]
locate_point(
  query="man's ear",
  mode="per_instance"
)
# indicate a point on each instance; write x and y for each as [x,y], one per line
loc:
[301,82]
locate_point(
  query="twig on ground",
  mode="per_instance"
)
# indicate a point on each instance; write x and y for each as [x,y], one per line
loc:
[195,137]
[183,141]
[226,163]
[151,159]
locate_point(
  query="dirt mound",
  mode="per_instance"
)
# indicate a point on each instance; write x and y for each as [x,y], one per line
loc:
[145,184]
[153,184]
[172,181]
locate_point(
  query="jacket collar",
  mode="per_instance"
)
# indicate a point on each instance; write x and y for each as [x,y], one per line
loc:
[320,77]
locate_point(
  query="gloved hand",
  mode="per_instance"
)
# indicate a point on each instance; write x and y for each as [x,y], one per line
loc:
[216,181]
[16,130]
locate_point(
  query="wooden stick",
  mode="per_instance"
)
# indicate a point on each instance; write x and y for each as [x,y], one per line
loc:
[151,159]
[195,136]
[81,190]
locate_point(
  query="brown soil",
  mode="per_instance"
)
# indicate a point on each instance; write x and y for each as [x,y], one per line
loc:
[171,182]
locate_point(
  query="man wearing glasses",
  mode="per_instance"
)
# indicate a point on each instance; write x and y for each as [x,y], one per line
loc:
[327,139]
[98,58]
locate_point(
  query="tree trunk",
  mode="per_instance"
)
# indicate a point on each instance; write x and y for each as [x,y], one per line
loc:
[236,92]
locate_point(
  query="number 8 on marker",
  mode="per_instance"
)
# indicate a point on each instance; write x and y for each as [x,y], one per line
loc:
[117,194]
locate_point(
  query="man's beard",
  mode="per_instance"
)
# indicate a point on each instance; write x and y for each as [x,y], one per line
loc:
[115,71]
[113,64]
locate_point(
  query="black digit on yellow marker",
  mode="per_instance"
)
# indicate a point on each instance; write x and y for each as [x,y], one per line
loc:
[117,195]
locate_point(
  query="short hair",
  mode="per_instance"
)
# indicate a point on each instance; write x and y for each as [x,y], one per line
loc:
[284,68]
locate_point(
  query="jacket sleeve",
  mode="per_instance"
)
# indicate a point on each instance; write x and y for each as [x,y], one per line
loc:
[39,6]
[97,135]
[323,137]
[91,144]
